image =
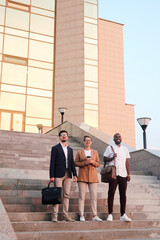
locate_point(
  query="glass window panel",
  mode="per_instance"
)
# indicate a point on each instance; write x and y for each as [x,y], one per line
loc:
[14,59]
[40,78]
[42,24]
[16,32]
[5,120]
[42,12]
[12,101]
[91,95]
[14,74]
[91,51]
[2,11]
[91,84]
[1,29]
[3,2]
[90,10]
[92,41]
[17,122]
[35,121]
[92,1]
[1,42]
[39,64]
[39,107]
[20,46]
[10,88]
[46,4]
[17,19]
[91,62]
[23,1]
[41,37]
[39,92]
[22,7]
[91,107]
[90,20]
[90,30]
[91,118]
[41,51]
[91,73]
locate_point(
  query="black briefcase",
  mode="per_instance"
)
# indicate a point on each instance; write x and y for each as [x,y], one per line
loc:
[51,195]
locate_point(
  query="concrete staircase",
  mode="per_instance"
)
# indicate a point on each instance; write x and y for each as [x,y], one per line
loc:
[22,179]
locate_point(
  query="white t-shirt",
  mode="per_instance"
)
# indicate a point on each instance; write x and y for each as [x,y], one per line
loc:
[87,152]
[122,154]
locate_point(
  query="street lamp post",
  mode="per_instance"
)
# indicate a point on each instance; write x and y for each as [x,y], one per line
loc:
[143,122]
[62,111]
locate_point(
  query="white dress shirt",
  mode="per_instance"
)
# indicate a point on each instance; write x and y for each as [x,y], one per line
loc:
[122,154]
[65,150]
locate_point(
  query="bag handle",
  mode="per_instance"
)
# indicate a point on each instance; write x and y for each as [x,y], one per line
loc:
[50,183]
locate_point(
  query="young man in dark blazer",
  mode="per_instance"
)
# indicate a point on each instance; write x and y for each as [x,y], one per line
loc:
[61,169]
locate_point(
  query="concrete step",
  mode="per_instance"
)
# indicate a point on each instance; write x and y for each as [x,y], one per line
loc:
[47,216]
[74,208]
[90,234]
[88,225]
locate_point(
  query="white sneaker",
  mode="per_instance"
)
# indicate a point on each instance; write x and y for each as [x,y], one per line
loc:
[96,219]
[110,218]
[82,219]
[125,218]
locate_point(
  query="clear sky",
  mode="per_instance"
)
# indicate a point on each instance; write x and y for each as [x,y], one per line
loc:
[141,33]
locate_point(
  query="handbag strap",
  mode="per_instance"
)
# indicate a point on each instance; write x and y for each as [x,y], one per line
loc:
[113,153]
[114,158]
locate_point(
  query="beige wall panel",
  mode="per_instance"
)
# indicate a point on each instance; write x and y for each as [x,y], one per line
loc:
[69,67]
[114,114]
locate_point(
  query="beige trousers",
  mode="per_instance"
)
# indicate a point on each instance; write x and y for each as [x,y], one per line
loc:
[65,183]
[93,197]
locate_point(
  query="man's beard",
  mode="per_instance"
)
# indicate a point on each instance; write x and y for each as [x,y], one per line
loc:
[64,140]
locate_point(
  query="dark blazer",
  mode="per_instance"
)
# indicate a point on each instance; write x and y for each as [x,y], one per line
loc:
[58,162]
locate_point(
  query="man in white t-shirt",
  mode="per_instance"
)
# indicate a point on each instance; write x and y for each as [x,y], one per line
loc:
[121,156]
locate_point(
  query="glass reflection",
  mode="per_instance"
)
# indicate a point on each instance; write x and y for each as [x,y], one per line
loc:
[35,121]
[23,1]
[91,95]
[12,101]
[42,24]
[16,32]
[40,78]
[39,92]
[47,4]
[39,107]
[41,51]
[90,10]
[20,46]
[17,19]
[14,74]
[91,51]
[10,88]
[1,42]
[39,64]
[90,30]
[5,120]
[17,122]
[91,118]
[42,12]
[2,11]
[91,73]
[92,1]
[40,37]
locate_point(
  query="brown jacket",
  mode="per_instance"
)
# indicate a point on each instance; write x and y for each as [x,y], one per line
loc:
[87,173]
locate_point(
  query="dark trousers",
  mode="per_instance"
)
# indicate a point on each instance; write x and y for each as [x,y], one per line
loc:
[122,185]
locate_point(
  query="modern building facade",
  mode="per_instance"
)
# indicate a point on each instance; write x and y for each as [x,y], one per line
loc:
[58,53]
